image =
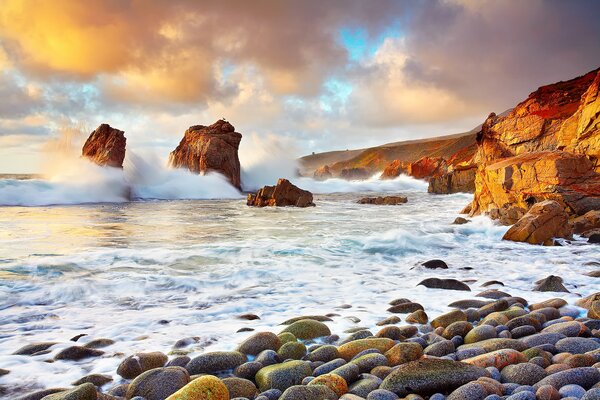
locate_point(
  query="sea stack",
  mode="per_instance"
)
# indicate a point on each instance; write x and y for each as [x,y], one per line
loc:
[105,146]
[210,148]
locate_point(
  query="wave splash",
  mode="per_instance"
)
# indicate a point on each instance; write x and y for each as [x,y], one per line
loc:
[71,179]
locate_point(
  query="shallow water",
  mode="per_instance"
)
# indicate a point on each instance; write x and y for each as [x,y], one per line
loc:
[149,273]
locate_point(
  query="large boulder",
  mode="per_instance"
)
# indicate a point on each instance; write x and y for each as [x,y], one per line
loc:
[105,146]
[281,195]
[543,222]
[587,222]
[547,147]
[211,148]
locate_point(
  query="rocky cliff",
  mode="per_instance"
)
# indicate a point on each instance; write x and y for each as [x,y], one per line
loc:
[547,147]
[105,146]
[210,148]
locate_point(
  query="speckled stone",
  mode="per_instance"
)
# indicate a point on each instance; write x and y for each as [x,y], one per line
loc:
[584,376]
[282,376]
[523,374]
[430,375]
[215,361]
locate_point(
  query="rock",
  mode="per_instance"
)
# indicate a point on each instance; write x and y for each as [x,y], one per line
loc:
[33,348]
[395,169]
[258,342]
[349,372]
[490,345]
[282,376]
[480,333]
[524,374]
[308,329]
[158,383]
[587,301]
[404,352]
[430,375]
[282,195]
[105,146]
[324,353]
[247,370]
[215,361]
[99,343]
[134,365]
[594,238]
[584,376]
[179,361]
[315,392]
[498,359]
[435,264]
[355,174]
[292,350]
[238,387]
[389,321]
[569,328]
[458,328]
[268,357]
[547,392]
[576,345]
[364,386]
[87,391]
[95,379]
[405,308]
[551,283]
[391,332]
[349,350]
[323,173]
[594,311]
[548,147]
[417,317]
[439,349]
[572,391]
[469,391]
[4,372]
[461,179]
[586,222]
[205,387]
[460,221]
[448,284]
[543,222]
[334,382]
[211,148]
[382,394]
[77,353]
[445,320]
[385,201]
[367,362]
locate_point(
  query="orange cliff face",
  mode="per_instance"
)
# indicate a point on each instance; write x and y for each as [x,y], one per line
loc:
[210,148]
[105,146]
[547,147]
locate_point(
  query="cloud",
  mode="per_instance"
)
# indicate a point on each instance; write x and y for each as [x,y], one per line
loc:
[321,75]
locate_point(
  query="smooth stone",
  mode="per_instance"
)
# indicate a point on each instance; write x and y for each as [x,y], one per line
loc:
[259,342]
[576,345]
[363,387]
[158,383]
[268,357]
[569,328]
[87,391]
[33,348]
[592,394]
[572,391]
[405,308]
[435,264]
[282,376]
[382,394]
[134,365]
[95,379]
[316,392]
[247,370]
[320,318]
[440,349]
[206,387]
[329,366]
[394,319]
[349,350]
[369,361]
[447,284]
[292,350]
[584,376]
[332,381]
[523,374]
[469,391]
[404,352]
[480,333]
[240,387]
[324,353]
[430,375]
[349,372]
[215,361]
[77,353]
[308,329]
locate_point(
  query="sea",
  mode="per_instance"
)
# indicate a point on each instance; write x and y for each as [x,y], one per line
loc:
[147,256]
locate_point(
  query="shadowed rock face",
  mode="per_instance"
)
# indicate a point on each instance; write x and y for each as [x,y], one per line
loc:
[105,146]
[210,148]
[547,147]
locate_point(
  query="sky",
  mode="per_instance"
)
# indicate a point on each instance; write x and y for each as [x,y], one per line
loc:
[309,75]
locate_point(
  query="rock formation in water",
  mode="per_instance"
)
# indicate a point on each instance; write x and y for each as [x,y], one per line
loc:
[281,195]
[547,147]
[323,173]
[105,146]
[384,201]
[543,222]
[211,148]
[459,179]
[355,174]
[395,169]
